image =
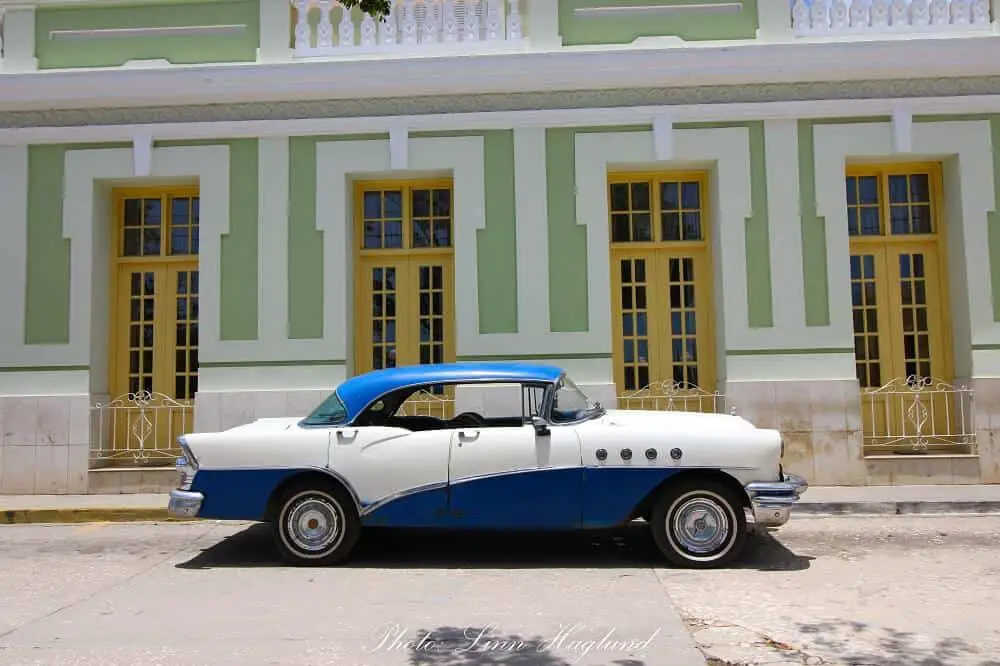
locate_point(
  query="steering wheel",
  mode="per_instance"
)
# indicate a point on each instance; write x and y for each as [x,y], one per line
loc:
[469,418]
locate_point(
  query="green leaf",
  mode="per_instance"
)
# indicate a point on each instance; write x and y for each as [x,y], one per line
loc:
[376,8]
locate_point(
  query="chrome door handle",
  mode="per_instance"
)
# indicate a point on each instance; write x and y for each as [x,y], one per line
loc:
[466,437]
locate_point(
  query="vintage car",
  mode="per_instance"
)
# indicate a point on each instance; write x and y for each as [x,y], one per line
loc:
[499,446]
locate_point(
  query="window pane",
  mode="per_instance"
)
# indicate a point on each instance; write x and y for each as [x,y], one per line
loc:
[898,189]
[868,190]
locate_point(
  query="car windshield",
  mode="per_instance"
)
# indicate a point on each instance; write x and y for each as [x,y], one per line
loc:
[572,404]
[330,412]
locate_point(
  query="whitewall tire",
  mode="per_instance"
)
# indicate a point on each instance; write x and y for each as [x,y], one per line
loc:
[316,526]
[699,524]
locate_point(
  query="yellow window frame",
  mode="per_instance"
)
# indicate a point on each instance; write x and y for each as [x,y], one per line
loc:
[407,261]
[889,247]
[657,253]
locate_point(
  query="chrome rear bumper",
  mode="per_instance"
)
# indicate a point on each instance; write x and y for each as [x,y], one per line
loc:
[184,504]
[772,501]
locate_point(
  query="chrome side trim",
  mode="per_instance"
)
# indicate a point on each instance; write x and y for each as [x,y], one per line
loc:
[772,501]
[382,501]
[510,472]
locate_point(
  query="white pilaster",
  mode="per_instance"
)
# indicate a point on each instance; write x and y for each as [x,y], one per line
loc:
[275,28]
[781,153]
[543,33]
[272,249]
[19,40]
[13,251]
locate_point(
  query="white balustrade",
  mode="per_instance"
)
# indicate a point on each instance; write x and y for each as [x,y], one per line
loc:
[411,24]
[844,17]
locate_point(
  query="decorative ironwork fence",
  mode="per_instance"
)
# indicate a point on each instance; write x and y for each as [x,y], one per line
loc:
[439,403]
[919,414]
[674,397]
[138,429]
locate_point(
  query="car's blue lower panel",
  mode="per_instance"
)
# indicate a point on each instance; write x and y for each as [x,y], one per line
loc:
[611,494]
[426,508]
[237,494]
[544,499]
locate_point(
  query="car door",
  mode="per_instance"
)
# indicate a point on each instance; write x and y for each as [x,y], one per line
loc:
[515,477]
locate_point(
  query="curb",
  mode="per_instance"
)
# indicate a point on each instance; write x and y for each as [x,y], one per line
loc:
[159,514]
[897,508]
[89,515]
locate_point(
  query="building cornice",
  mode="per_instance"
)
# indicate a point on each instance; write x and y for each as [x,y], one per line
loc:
[582,69]
[550,118]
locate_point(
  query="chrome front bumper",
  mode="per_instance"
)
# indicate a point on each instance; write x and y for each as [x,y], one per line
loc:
[184,504]
[772,500]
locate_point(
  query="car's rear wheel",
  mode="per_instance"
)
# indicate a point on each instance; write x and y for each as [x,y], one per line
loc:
[699,524]
[316,526]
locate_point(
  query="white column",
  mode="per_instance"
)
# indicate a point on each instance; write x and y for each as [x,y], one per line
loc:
[774,20]
[543,23]
[275,27]
[19,40]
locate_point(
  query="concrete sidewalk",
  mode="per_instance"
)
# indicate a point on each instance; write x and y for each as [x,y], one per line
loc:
[820,500]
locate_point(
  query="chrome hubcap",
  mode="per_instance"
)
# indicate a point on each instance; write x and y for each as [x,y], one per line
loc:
[314,524]
[701,525]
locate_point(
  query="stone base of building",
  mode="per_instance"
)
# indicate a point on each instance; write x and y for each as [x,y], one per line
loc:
[822,428]
[46,444]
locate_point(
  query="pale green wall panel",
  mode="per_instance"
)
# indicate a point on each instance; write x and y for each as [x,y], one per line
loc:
[760,305]
[577,30]
[568,295]
[496,245]
[47,288]
[993,219]
[114,51]
[305,243]
[814,265]
[239,279]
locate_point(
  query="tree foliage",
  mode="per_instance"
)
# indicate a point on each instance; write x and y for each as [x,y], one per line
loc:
[378,9]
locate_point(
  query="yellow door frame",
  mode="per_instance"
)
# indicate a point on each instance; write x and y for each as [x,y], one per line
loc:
[895,414]
[163,266]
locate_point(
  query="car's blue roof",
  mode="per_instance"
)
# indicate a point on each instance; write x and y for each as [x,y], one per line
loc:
[358,392]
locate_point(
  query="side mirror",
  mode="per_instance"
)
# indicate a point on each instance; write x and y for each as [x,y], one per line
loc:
[541,427]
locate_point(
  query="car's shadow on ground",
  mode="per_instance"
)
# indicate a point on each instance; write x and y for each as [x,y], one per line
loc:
[384,549]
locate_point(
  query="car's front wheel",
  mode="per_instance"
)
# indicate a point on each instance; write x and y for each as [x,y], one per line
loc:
[316,526]
[699,524]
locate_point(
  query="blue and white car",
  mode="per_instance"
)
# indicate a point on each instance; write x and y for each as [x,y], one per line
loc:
[525,450]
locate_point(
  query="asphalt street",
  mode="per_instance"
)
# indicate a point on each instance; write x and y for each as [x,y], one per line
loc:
[906,590]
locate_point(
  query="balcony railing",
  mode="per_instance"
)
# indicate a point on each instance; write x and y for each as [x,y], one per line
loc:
[919,415]
[325,28]
[845,17]
[138,429]
[673,397]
